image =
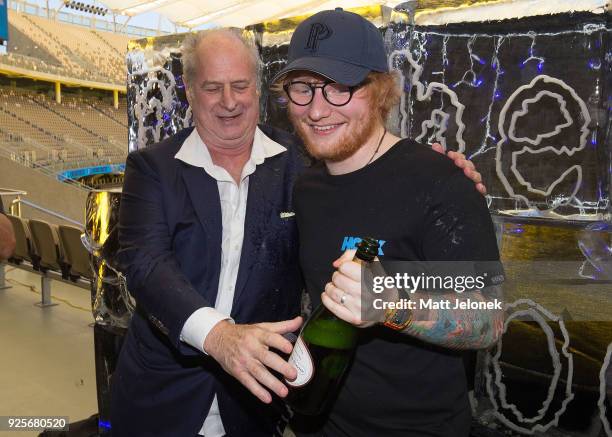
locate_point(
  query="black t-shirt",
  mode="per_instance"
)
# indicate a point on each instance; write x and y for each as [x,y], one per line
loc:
[424,208]
[1,207]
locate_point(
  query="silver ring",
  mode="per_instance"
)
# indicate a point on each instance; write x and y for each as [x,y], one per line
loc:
[343,299]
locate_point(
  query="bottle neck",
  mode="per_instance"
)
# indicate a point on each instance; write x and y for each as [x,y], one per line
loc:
[360,261]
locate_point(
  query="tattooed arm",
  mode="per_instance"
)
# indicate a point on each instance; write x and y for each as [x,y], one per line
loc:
[457,228]
[444,319]
[458,328]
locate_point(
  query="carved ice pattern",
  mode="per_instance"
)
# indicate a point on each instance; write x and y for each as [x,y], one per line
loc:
[163,80]
[603,383]
[535,312]
[511,134]
[423,94]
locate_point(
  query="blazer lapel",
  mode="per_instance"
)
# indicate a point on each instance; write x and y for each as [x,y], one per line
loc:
[259,204]
[204,195]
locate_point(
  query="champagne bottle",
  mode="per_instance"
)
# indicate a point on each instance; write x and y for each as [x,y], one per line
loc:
[323,351]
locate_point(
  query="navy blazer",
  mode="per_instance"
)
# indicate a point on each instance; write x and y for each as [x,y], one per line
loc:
[170,252]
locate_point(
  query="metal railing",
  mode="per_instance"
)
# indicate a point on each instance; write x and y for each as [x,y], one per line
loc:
[49,171]
[17,194]
[46,276]
[16,206]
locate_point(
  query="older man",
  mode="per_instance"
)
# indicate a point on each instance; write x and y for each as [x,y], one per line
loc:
[209,248]
[206,266]
[406,380]
[7,237]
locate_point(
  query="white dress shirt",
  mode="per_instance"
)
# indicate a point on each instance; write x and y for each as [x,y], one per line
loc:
[233,210]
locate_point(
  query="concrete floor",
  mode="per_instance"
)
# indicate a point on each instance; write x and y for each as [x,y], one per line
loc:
[46,354]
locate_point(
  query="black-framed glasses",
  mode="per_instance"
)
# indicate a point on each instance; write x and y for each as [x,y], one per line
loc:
[302,93]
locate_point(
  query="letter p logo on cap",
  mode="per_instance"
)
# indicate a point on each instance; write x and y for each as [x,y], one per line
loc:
[318,32]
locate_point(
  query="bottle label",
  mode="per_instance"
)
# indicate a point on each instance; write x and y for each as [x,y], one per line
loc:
[302,360]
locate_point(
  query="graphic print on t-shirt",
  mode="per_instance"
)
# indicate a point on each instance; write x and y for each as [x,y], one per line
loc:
[349,243]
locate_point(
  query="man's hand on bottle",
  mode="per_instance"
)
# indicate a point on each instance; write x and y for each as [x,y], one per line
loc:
[244,351]
[469,169]
[343,294]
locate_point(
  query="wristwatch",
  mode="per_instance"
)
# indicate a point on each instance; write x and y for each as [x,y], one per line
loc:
[398,319]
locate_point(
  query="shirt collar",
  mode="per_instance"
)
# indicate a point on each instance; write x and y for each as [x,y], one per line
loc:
[194,152]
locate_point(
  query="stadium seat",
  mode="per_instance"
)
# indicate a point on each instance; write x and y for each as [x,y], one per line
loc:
[48,247]
[24,244]
[76,254]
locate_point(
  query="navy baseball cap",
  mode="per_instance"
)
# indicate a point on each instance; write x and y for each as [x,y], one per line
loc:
[340,45]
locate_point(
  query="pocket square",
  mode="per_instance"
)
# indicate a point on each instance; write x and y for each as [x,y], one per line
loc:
[288,214]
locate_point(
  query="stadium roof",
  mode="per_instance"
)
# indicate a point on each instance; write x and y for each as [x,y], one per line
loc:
[241,13]
[231,13]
